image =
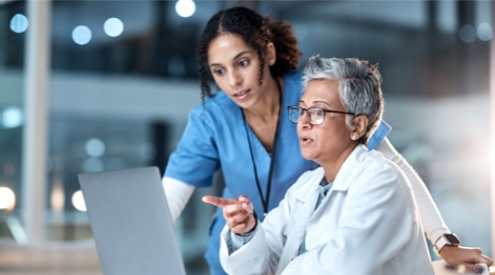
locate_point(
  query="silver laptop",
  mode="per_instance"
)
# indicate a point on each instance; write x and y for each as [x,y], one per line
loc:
[131,222]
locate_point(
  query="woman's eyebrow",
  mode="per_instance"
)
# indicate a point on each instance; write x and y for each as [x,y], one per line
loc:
[240,54]
[318,101]
[234,58]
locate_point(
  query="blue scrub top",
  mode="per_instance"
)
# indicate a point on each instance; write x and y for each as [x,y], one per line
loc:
[216,138]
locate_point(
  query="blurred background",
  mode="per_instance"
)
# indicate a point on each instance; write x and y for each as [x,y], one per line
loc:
[89,86]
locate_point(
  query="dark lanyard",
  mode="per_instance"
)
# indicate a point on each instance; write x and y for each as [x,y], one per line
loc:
[265,200]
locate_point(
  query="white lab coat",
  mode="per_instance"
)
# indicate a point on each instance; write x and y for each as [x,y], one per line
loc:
[367,224]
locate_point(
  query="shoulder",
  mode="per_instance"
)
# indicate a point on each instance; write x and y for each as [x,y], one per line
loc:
[293,79]
[379,178]
[217,100]
[375,162]
[213,108]
[365,165]
[378,175]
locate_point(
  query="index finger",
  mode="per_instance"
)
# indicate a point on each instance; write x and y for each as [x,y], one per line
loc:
[217,201]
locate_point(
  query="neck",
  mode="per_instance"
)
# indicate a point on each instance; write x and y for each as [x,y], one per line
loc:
[332,167]
[269,106]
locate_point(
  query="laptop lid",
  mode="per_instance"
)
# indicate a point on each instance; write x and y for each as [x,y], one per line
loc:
[131,222]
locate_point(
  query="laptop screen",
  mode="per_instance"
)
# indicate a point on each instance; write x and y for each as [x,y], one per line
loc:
[131,222]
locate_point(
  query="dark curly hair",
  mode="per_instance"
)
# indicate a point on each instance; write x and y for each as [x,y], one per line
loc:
[256,31]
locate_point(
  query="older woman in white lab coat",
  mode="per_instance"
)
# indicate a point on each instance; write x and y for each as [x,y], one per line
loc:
[355,214]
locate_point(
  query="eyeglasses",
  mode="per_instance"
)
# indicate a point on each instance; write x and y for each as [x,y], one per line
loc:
[316,116]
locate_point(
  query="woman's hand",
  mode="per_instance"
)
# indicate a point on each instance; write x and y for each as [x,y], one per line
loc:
[466,256]
[237,212]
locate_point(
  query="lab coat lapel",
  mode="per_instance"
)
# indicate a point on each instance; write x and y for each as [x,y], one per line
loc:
[304,202]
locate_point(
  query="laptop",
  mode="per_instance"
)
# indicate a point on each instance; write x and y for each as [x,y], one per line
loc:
[131,223]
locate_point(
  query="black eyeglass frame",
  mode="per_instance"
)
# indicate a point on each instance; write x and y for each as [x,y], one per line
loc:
[295,107]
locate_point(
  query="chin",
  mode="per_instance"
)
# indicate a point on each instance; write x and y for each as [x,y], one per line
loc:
[244,104]
[306,155]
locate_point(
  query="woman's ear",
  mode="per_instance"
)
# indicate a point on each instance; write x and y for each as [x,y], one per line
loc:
[271,54]
[359,126]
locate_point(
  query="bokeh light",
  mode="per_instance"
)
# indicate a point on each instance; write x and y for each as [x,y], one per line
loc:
[7,198]
[78,201]
[185,8]
[113,27]
[95,147]
[19,23]
[484,32]
[81,35]
[12,117]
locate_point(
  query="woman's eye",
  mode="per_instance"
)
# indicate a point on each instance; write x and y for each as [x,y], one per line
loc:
[316,111]
[218,71]
[243,63]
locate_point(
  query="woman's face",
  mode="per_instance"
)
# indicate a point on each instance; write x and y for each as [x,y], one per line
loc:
[323,143]
[235,68]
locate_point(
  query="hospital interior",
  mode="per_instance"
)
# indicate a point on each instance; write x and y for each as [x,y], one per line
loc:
[89,86]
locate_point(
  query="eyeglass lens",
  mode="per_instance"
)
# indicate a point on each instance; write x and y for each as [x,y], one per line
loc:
[315,115]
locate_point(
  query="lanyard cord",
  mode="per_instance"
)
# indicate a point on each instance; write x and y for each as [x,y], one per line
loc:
[265,200]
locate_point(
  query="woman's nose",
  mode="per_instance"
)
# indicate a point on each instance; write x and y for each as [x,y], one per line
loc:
[303,126]
[234,78]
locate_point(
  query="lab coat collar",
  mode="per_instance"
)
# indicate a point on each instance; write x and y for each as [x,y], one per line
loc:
[343,180]
[348,172]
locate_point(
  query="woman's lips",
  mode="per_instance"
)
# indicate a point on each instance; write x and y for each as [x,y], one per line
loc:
[305,140]
[242,94]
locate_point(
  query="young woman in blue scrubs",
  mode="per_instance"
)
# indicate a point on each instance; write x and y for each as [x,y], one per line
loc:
[244,130]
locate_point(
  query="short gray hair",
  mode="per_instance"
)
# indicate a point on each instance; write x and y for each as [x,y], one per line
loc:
[359,87]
